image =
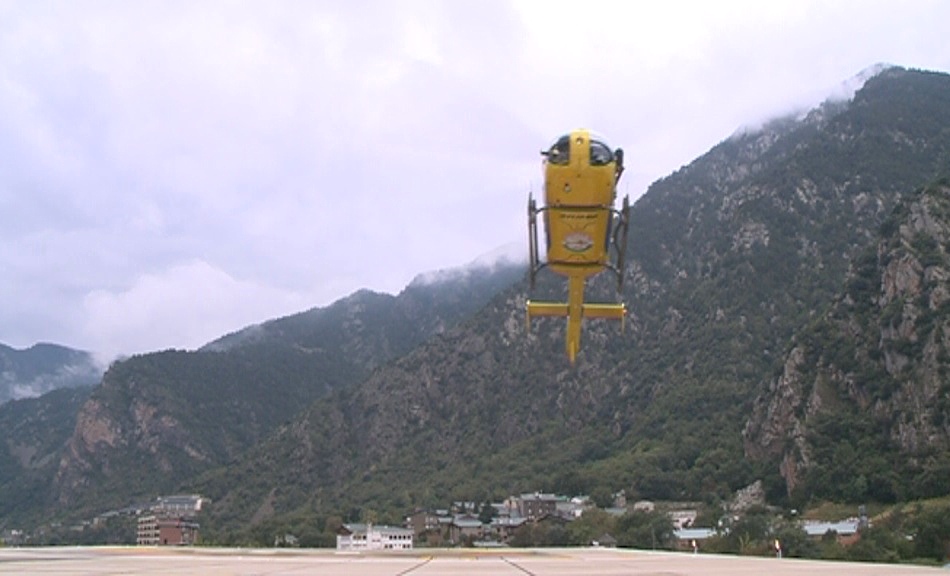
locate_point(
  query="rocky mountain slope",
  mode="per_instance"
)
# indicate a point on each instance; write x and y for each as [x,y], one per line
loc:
[861,409]
[731,257]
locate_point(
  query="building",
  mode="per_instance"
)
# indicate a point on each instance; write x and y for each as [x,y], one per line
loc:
[169,521]
[844,531]
[606,541]
[465,526]
[692,538]
[429,526]
[360,537]
[683,518]
[503,527]
[537,505]
[422,521]
[164,531]
[180,505]
[644,506]
[571,509]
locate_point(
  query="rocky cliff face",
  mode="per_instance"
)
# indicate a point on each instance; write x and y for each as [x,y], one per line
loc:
[105,436]
[881,351]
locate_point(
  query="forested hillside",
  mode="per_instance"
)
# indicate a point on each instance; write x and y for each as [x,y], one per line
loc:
[732,257]
[158,419]
[34,433]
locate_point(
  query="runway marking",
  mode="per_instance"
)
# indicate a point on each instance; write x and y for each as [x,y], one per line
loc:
[416,567]
[522,568]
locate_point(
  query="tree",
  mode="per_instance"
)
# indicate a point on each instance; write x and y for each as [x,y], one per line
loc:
[591,525]
[487,512]
[602,496]
[931,530]
[641,529]
[795,542]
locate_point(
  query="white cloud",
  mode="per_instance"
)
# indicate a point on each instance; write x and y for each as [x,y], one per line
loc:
[184,306]
[296,151]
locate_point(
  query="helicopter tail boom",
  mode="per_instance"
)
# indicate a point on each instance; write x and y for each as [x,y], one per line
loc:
[575,310]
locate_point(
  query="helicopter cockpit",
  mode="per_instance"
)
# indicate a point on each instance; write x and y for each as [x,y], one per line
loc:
[600,154]
[560,152]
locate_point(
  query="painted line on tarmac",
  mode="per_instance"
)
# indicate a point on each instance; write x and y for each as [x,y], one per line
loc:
[519,567]
[416,567]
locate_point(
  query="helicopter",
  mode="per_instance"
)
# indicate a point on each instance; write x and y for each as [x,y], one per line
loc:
[584,233]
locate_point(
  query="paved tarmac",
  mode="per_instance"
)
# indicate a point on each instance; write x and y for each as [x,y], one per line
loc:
[93,561]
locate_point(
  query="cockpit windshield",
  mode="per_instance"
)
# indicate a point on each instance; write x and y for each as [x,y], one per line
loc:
[560,151]
[600,154]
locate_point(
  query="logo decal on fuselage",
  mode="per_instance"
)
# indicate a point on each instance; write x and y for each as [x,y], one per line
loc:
[578,242]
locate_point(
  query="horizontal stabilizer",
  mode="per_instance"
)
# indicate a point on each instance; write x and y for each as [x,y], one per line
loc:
[587,310]
[547,309]
[603,310]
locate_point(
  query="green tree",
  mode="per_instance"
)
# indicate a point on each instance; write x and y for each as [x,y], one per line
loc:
[879,543]
[653,530]
[795,542]
[487,512]
[602,496]
[591,525]
[931,530]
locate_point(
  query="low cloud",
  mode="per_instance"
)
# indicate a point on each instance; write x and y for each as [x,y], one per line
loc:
[173,171]
[184,306]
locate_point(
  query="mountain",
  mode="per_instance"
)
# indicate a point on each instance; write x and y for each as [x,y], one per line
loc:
[730,258]
[861,408]
[34,433]
[161,418]
[42,368]
[380,403]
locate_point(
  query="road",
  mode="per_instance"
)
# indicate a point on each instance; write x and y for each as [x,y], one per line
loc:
[105,561]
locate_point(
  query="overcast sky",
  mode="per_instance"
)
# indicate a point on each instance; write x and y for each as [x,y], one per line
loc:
[173,171]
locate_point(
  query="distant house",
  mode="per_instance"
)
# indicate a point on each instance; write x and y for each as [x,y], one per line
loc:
[12,538]
[503,527]
[644,506]
[286,541]
[464,507]
[359,537]
[179,505]
[605,540]
[465,526]
[422,521]
[571,509]
[428,526]
[169,521]
[683,518]
[845,531]
[537,505]
[156,530]
[691,538]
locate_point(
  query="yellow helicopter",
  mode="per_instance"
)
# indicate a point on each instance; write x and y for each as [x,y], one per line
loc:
[581,226]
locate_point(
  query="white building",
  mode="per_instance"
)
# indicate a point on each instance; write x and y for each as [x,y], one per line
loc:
[816,528]
[359,537]
[179,505]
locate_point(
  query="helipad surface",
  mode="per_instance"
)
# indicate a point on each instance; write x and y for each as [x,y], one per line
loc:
[557,562]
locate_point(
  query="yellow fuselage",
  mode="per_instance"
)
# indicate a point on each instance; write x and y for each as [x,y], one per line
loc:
[579,197]
[580,178]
